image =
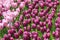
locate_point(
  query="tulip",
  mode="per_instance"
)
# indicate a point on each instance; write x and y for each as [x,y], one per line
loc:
[11,38]
[38,27]
[20,32]
[33,26]
[16,24]
[22,5]
[14,5]
[16,35]
[11,31]
[6,37]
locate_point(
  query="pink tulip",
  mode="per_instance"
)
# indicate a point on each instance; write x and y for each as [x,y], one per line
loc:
[22,5]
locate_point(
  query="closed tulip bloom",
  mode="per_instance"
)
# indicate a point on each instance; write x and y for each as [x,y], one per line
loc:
[6,37]
[48,30]
[16,35]
[29,10]
[44,28]
[44,23]
[53,34]
[27,15]
[41,4]
[37,17]
[46,39]
[35,37]
[30,6]
[36,21]
[55,6]
[58,14]
[36,6]
[6,4]
[1,26]
[33,15]
[20,32]
[21,18]
[15,13]
[24,12]
[34,26]
[38,27]
[57,38]
[25,37]
[35,11]
[49,24]
[50,18]
[50,4]
[44,35]
[44,18]
[25,33]
[9,18]
[5,22]
[11,31]
[34,33]
[11,38]
[56,34]
[41,24]
[9,35]
[22,5]
[16,24]
[28,28]
[32,19]
[18,1]
[57,20]
[58,29]
[14,5]
[41,14]
[38,38]
[25,22]
[48,35]
[57,2]
[35,1]
[25,28]
[18,9]
[29,21]
[27,1]
[0,7]
[48,1]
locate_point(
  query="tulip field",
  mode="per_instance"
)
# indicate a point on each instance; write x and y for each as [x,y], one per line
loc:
[29,19]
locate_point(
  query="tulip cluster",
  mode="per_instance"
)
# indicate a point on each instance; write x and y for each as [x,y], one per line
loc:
[31,21]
